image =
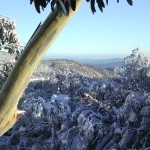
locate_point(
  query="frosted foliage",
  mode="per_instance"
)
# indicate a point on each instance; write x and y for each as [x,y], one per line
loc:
[57,106]
[69,123]
[133,120]
[81,128]
[8,36]
[136,69]
[135,63]
[34,106]
[138,59]
[9,41]
[89,122]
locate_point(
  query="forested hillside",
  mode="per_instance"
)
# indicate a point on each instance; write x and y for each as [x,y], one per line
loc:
[75,112]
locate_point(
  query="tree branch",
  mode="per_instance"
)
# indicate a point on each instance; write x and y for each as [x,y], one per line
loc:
[25,66]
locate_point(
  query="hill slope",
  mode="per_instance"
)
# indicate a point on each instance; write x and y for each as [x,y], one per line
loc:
[66,67]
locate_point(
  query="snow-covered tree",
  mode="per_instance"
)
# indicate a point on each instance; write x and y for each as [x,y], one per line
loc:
[9,42]
[9,39]
[137,65]
[136,68]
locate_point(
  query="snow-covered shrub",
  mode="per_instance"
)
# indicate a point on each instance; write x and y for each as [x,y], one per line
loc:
[134,122]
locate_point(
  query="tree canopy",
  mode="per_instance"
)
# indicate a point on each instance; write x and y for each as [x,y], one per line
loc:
[62,6]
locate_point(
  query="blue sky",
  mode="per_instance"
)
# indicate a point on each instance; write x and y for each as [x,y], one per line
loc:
[113,33]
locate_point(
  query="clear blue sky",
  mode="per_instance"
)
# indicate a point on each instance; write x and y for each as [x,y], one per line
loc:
[115,32]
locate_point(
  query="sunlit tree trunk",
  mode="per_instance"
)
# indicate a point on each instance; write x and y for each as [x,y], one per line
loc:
[25,66]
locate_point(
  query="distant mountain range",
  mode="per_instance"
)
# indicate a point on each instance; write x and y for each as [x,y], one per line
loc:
[100,63]
[103,63]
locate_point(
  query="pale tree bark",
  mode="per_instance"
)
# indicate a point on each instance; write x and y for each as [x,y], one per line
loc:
[25,66]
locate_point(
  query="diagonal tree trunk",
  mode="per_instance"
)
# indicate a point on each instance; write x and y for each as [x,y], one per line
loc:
[25,66]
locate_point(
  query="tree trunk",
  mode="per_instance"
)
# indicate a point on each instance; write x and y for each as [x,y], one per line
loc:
[25,66]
